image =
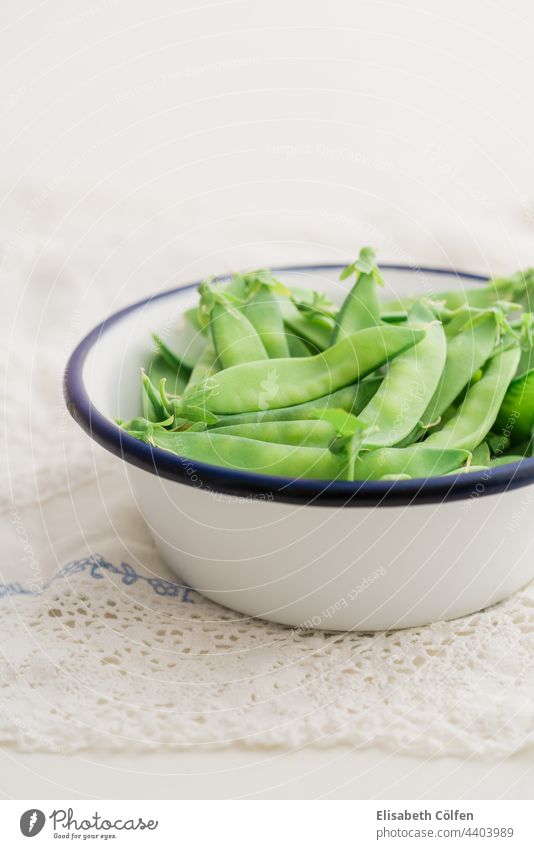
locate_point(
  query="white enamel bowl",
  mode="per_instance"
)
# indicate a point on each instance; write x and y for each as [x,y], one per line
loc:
[339,556]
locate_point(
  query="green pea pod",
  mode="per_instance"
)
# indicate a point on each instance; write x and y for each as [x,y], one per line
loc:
[263,312]
[304,432]
[310,316]
[344,423]
[467,469]
[311,330]
[296,346]
[481,455]
[505,460]
[516,414]
[518,287]
[361,307]
[478,411]
[234,338]
[416,461]
[466,353]
[526,335]
[408,386]
[205,366]
[351,399]
[268,458]
[498,442]
[254,386]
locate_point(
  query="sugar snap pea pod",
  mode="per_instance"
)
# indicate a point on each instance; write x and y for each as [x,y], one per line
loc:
[205,366]
[234,337]
[344,423]
[361,307]
[524,328]
[518,287]
[296,346]
[467,469]
[481,456]
[505,460]
[478,411]
[263,312]
[498,442]
[235,290]
[237,452]
[516,415]
[526,448]
[466,353]
[408,386]
[308,316]
[304,432]
[312,330]
[253,386]
[351,399]
[416,461]
[459,319]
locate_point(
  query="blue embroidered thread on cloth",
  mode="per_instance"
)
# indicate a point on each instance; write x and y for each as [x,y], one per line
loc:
[96,567]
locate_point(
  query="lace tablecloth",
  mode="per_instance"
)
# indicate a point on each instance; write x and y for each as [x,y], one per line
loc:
[102,648]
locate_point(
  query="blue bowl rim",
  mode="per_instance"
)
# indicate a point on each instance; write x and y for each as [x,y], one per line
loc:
[249,485]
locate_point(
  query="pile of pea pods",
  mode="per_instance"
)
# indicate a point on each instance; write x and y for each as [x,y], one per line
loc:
[277,380]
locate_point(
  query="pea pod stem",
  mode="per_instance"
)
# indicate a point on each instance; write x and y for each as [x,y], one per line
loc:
[154,406]
[263,312]
[361,308]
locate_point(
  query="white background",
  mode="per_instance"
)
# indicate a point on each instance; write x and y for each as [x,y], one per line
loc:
[303,124]
[291,128]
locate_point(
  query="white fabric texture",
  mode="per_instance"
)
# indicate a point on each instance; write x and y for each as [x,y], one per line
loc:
[100,646]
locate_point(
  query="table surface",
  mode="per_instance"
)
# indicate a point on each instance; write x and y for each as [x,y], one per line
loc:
[336,773]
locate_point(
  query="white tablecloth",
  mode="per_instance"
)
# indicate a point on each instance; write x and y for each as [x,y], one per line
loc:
[101,647]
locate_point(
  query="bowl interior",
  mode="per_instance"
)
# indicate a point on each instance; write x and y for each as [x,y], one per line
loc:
[124,344]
